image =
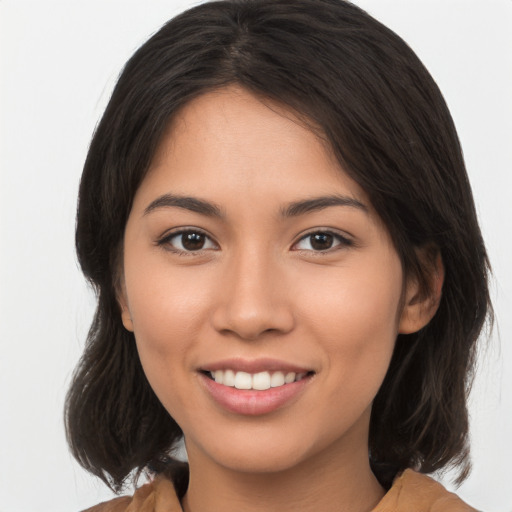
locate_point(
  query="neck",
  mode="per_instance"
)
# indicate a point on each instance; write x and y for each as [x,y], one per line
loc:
[330,482]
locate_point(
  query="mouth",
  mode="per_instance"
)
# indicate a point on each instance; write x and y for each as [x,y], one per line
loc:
[260,381]
[254,387]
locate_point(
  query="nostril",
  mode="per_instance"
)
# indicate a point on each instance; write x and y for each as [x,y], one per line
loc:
[248,313]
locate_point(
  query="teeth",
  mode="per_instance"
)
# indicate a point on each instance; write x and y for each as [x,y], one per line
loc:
[229,378]
[243,380]
[261,381]
[258,381]
[289,378]
[277,379]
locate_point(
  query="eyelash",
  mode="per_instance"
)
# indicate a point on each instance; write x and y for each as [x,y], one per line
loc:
[165,241]
[343,242]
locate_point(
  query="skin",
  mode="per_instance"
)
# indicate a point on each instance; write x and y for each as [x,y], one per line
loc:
[258,288]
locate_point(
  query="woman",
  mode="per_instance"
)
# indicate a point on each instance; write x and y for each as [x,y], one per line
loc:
[275,214]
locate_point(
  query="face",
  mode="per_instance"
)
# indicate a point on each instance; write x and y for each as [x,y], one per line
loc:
[263,290]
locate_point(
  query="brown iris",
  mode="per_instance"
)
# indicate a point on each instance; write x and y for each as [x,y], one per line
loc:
[321,241]
[193,241]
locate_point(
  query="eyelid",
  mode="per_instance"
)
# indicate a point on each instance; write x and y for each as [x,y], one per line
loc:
[343,238]
[163,241]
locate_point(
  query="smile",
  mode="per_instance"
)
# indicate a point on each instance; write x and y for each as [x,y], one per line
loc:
[254,387]
[260,381]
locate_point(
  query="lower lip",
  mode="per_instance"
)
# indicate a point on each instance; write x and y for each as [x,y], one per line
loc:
[251,402]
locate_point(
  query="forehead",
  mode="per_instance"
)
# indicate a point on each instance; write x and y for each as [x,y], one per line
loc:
[232,141]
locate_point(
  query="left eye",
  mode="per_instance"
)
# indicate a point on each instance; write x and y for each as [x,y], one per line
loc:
[321,241]
[189,241]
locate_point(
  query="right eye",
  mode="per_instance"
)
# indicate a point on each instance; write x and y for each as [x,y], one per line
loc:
[187,241]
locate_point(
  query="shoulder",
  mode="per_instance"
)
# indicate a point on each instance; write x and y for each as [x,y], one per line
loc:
[115,505]
[418,492]
[156,496]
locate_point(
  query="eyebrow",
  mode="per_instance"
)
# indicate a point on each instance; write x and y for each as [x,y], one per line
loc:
[293,209]
[192,204]
[319,203]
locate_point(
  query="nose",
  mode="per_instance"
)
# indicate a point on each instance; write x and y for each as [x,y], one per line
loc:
[253,299]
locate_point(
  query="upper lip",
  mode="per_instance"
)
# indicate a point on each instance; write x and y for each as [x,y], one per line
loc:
[254,366]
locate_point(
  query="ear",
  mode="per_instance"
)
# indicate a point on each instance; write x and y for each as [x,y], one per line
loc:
[125,311]
[420,306]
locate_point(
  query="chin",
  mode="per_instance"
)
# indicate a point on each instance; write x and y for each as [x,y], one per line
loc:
[260,461]
[261,451]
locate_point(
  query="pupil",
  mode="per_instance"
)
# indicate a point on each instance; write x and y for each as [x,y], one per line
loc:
[321,241]
[192,241]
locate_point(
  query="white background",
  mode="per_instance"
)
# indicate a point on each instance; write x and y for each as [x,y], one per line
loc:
[58,64]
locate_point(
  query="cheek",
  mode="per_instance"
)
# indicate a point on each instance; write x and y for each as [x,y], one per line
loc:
[355,318]
[167,309]
[357,301]
[164,303]
[166,317]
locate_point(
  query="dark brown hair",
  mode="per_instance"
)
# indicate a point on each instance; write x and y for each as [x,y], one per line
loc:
[370,97]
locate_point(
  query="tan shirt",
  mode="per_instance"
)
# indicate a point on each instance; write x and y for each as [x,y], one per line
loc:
[410,492]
